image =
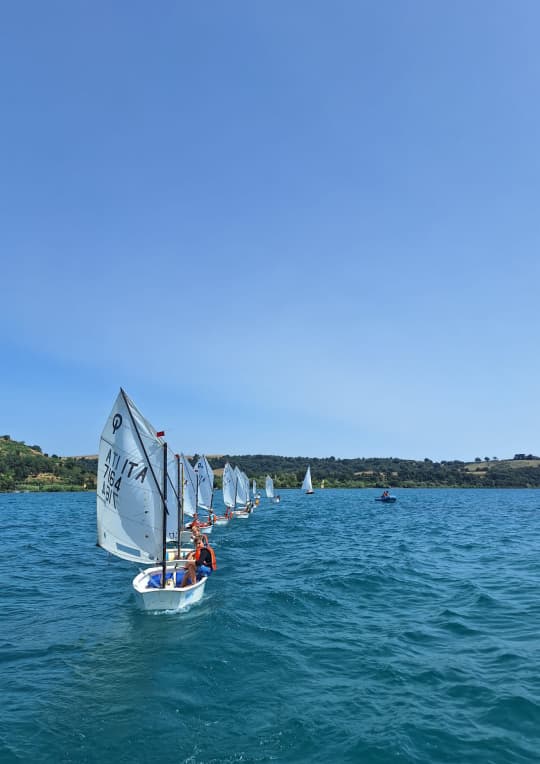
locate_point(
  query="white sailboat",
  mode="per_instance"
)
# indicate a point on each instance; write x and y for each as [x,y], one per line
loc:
[205,485]
[307,485]
[133,508]
[242,503]
[229,494]
[269,488]
[205,489]
[176,528]
[191,493]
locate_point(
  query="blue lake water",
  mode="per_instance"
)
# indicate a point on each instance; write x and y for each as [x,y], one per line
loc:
[336,629]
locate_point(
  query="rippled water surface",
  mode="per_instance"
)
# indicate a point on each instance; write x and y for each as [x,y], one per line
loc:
[335,630]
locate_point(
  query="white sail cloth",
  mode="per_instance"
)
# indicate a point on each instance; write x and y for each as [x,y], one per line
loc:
[242,488]
[229,485]
[190,487]
[206,482]
[306,485]
[130,485]
[269,485]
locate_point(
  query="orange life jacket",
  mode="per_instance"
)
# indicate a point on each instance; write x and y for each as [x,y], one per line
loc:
[212,555]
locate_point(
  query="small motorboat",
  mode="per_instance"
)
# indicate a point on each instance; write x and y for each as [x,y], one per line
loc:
[387,499]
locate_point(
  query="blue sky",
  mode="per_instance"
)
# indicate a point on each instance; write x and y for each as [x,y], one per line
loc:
[304,228]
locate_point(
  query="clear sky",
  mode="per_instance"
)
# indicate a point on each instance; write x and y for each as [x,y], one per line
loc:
[283,226]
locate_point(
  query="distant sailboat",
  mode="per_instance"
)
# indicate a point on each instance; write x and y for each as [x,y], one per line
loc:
[205,483]
[269,487]
[229,494]
[133,510]
[191,493]
[241,498]
[205,490]
[306,485]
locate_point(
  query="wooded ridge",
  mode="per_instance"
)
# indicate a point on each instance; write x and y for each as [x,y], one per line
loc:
[27,468]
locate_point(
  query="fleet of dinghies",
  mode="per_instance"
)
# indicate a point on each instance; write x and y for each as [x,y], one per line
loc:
[148,499]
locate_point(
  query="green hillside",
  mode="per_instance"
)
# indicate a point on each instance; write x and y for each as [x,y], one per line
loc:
[288,472]
[27,468]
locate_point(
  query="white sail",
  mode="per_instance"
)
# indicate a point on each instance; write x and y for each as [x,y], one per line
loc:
[229,485]
[130,483]
[254,488]
[190,487]
[242,490]
[206,482]
[306,485]
[173,489]
[246,486]
[269,487]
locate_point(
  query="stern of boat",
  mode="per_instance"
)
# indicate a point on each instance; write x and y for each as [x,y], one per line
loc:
[172,597]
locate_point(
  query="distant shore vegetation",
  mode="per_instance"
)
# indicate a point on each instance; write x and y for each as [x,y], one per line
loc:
[27,468]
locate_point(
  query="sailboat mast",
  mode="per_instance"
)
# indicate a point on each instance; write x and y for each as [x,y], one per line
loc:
[165,513]
[182,504]
[179,501]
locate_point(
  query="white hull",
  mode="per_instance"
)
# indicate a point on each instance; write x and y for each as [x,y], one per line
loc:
[241,514]
[221,521]
[170,598]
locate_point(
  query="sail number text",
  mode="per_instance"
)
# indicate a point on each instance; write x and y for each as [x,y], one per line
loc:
[115,471]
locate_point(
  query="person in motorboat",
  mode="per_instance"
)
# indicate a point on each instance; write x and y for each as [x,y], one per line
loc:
[385,495]
[200,563]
